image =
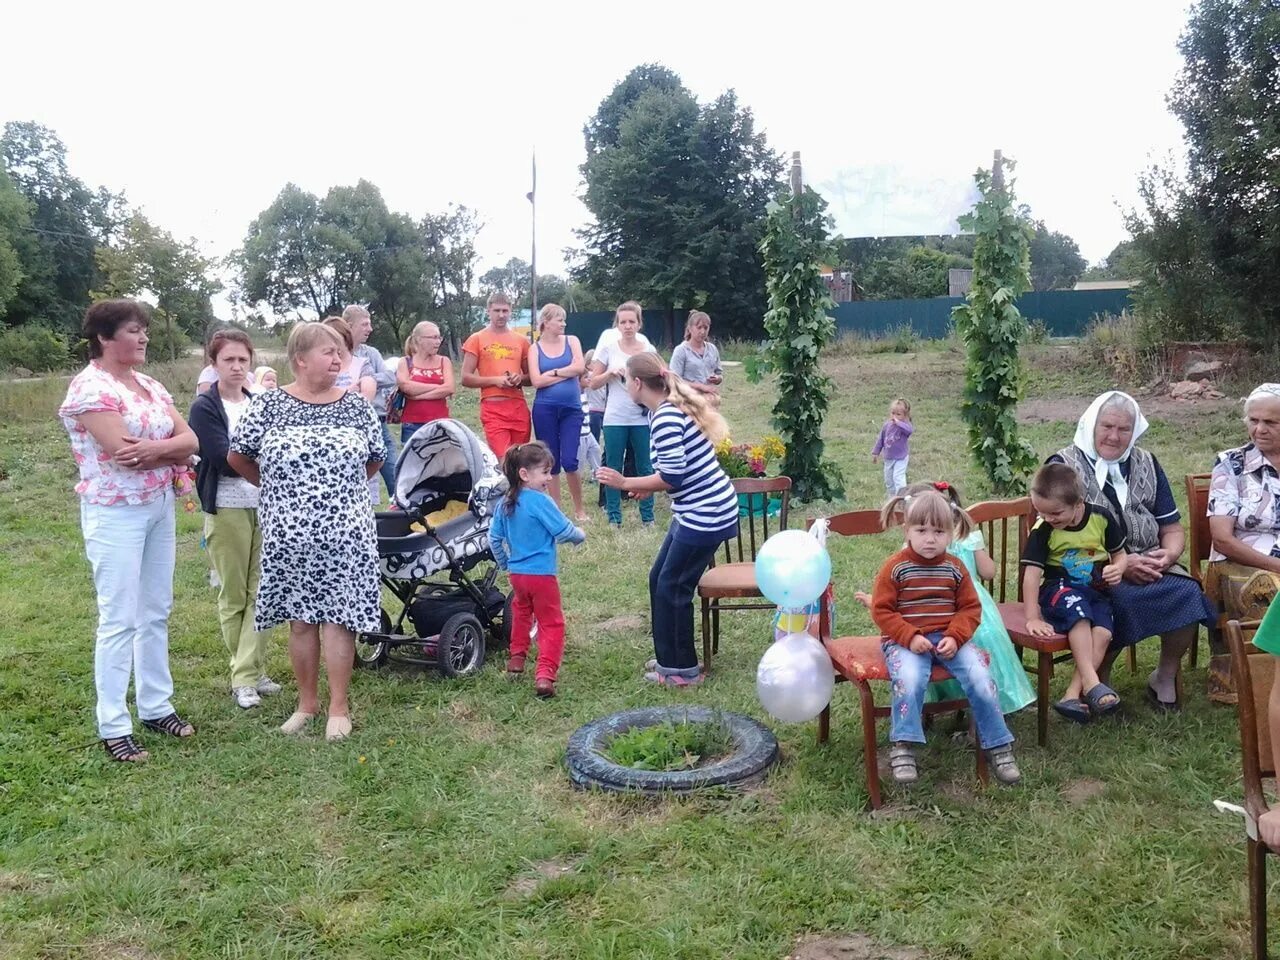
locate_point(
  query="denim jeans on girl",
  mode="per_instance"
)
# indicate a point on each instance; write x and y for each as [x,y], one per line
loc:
[673,578]
[909,673]
[131,548]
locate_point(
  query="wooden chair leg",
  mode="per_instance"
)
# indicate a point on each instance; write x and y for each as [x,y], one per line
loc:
[981,754]
[824,724]
[1044,672]
[1256,857]
[706,635]
[869,760]
[1133,658]
[715,628]
[1194,659]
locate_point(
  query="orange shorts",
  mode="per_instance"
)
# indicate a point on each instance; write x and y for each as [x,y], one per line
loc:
[506,423]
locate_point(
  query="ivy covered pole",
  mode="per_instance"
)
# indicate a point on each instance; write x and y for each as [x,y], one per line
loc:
[991,327]
[796,242]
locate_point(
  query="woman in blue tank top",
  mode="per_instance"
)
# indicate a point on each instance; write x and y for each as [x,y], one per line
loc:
[555,364]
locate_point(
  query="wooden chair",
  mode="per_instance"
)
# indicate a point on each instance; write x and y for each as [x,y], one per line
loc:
[1201,541]
[1005,525]
[735,578]
[1253,673]
[860,661]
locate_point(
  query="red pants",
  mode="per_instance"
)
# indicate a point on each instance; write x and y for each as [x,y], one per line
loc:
[506,423]
[537,597]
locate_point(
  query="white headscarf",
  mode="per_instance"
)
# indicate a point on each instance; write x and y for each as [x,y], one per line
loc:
[1271,390]
[1104,470]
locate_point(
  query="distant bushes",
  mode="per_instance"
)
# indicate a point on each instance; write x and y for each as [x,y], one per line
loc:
[33,348]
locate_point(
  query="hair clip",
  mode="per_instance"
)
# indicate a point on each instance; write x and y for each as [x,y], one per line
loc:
[941,485]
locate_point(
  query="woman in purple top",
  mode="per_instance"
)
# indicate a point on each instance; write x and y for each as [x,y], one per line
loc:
[893,445]
[555,364]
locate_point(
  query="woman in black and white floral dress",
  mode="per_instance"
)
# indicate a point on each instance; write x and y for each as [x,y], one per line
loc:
[312,446]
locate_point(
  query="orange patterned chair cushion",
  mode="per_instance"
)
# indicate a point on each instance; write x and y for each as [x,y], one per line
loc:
[860,658]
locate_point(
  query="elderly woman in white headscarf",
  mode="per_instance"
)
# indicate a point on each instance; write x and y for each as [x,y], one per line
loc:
[1157,597]
[1244,519]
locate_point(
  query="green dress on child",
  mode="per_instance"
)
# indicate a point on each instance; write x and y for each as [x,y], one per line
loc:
[1006,669]
[1268,636]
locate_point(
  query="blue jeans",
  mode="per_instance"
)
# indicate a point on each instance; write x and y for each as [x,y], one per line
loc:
[388,468]
[673,578]
[407,430]
[617,440]
[909,673]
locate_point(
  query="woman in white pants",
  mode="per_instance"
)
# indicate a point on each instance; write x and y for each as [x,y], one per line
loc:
[128,438]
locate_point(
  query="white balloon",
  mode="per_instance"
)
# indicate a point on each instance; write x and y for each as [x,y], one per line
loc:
[795,680]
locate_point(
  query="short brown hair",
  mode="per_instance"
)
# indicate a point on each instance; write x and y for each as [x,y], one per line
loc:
[497,297]
[1057,481]
[353,311]
[342,329]
[305,336]
[105,317]
[695,316]
[630,306]
[224,336]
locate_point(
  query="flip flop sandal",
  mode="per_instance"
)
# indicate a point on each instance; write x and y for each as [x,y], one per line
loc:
[173,725]
[902,764]
[1097,698]
[1075,710]
[124,749]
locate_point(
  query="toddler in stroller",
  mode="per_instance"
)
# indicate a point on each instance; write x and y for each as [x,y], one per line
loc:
[447,487]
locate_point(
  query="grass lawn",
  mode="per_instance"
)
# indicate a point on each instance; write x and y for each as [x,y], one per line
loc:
[446,826]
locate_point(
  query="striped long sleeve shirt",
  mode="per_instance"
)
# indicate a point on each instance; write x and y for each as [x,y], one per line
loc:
[913,595]
[703,502]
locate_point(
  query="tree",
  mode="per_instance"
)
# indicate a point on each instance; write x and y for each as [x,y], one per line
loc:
[15,235]
[796,243]
[1122,263]
[512,278]
[677,192]
[921,273]
[449,242]
[991,327]
[67,223]
[147,260]
[1210,245]
[1056,263]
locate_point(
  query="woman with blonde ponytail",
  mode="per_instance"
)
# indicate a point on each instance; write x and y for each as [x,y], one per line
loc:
[683,426]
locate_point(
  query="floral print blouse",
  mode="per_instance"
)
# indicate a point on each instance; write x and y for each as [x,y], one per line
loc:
[102,481]
[1245,486]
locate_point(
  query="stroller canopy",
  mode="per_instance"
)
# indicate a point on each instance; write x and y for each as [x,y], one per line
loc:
[445,461]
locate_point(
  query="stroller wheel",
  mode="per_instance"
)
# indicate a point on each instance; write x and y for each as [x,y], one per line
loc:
[503,633]
[371,652]
[460,647]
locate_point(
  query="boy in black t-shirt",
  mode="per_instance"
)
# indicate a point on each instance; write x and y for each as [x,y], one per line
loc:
[1075,551]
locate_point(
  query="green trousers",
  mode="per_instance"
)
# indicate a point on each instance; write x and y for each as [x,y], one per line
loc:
[234,540]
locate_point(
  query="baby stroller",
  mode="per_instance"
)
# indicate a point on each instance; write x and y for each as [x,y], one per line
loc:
[447,487]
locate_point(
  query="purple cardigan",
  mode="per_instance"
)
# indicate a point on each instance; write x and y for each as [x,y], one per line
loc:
[893,440]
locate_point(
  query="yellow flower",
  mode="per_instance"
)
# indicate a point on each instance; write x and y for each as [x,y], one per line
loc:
[361,759]
[774,447]
[756,453]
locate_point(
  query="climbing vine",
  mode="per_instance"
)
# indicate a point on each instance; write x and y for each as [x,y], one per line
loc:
[991,327]
[796,242]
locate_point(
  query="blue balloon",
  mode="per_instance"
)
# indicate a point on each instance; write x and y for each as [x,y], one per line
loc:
[792,569]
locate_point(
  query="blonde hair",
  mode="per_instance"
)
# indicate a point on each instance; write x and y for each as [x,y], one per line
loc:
[649,369]
[906,405]
[262,371]
[922,504]
[416,336]
[695,316]
[630,306]
[550,311]
[342,329]
[307,336]
[961,521]
[354,311]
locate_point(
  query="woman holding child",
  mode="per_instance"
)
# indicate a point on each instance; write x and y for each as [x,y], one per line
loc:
[1157,595]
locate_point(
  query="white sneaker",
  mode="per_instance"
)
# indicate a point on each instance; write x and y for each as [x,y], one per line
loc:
[214,580]
[246,697]
[266,686]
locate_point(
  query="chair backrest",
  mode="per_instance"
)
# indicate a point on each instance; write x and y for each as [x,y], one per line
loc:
[855,523]
[754,496]
[1004,525]
[1198,522]
[1253,674]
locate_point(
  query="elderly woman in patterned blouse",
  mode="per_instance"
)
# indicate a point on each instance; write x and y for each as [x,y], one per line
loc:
[1244,519]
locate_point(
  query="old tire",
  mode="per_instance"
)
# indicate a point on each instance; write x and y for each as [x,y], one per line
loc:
[754,752]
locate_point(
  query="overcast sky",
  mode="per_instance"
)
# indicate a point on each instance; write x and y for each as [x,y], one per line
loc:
[202,113]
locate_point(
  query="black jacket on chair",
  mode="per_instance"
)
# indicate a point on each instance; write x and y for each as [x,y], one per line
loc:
[208,420]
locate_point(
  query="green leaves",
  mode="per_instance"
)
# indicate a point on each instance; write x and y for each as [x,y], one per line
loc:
[991,327]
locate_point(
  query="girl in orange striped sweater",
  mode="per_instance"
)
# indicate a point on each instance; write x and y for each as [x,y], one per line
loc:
[927,609]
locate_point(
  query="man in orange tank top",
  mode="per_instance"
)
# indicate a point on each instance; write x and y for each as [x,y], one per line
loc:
[496,360]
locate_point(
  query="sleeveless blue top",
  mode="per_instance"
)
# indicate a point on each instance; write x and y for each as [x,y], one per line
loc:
[566,393]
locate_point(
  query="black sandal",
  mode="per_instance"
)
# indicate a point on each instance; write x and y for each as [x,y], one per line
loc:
[173,725]
[124,749]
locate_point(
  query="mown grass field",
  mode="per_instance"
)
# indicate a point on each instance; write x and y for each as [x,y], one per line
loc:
[446,827]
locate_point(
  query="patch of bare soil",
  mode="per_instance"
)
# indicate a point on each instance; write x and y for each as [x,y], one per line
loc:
[551,869]
[1079,792]
[852,946]
[626,622]
[115,950]
[1067,409]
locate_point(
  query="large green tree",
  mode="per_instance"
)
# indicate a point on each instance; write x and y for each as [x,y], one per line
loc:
[15,236]
[1210,243]
[677,191]
[1056,263]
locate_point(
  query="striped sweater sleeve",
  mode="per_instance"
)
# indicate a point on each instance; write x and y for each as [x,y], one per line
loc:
[884,607]
[968,609]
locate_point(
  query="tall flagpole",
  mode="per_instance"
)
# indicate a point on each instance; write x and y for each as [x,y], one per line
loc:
[533,249]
